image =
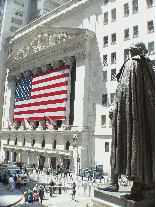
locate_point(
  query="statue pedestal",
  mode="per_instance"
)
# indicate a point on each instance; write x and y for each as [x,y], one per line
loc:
[117,199]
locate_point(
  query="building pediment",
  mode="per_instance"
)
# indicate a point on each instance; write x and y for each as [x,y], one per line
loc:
[44,40]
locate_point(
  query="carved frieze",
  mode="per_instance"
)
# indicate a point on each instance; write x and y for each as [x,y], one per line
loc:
[11,78]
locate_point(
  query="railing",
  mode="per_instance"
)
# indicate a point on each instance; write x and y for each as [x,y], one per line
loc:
[41,150]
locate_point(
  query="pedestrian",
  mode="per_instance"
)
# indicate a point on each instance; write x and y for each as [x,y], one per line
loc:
[18,182]
[30,195]
[11,181]
[36,196]
[74,191]
[36,188]
[60,184]
[51,184]
[41,193]
[26,195]
[5,178]
[15,181]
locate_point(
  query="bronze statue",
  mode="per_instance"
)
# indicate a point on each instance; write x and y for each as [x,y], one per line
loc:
[133,124]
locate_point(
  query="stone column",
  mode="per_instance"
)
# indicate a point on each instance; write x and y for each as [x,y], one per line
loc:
[68,61]
[46,163]
[19,156]
[11,89]
[28,160]
[38,160]
[11,154]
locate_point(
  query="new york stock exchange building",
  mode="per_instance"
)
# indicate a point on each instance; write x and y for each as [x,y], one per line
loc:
[54,76]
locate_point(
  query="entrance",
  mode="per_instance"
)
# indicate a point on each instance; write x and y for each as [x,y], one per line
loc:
[6,155]
[15,156]
[53,163]
[66,163]
[41,162]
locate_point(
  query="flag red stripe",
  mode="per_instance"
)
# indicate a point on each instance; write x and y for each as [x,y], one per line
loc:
[41,118]
[49,94]
[41,111]
[41,103]
[50,78]
[52,71]
[50,86]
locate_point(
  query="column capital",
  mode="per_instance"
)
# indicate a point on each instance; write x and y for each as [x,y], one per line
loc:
[12,78]
[69,61]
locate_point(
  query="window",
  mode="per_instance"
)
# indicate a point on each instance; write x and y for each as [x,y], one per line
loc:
[8,141]
[105,75]
[104,99]
[150,3]
[113,57]
[54,146]
[43,143]
[15,143]
[135,31]
[105,41]
[106,18]
[106,146]
[126,34]
[151,48]
[113,38]
[113,14]
[134,6]
[126,9]
[33,142]
[112,98]
[150,26]
[103,120]
[105,60]
[126,54]
[113,74]
[24,142]
[67,145]
[105,1]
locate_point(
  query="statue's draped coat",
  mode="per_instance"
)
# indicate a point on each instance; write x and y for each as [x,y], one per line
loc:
[133,124]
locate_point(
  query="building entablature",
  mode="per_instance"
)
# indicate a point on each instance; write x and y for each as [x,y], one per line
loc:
[38,151]
[46,48]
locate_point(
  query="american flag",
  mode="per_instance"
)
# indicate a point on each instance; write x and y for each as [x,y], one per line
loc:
[27,125]
[10,125]
[48,125]
[43,94]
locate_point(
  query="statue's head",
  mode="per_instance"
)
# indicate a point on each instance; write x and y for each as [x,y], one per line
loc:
[138,49]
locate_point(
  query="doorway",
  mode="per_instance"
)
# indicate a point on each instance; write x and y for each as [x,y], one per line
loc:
[53,163]
[41,162]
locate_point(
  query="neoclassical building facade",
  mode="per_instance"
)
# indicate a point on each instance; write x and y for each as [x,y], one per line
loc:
[90,38]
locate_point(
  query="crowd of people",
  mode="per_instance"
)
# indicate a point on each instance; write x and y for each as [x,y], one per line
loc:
[37,193]
[10,180]
[32,195]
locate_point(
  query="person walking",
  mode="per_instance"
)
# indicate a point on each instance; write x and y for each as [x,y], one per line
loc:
[41,193]
[30,195]
[18,182]
[5,178]
[15,181]
[26,195]
[11,181]
[74,191]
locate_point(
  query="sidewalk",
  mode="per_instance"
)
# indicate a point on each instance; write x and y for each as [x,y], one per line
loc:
[9,198]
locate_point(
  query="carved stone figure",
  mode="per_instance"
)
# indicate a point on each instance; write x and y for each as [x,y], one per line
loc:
[133,125]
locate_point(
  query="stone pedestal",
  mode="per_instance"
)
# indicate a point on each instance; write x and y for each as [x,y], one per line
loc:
[116,199]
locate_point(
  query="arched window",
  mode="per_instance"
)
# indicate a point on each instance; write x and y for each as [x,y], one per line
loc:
[54,146]
[24,142]
[43,143]
[67,145]
[33,142]
[15,141]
